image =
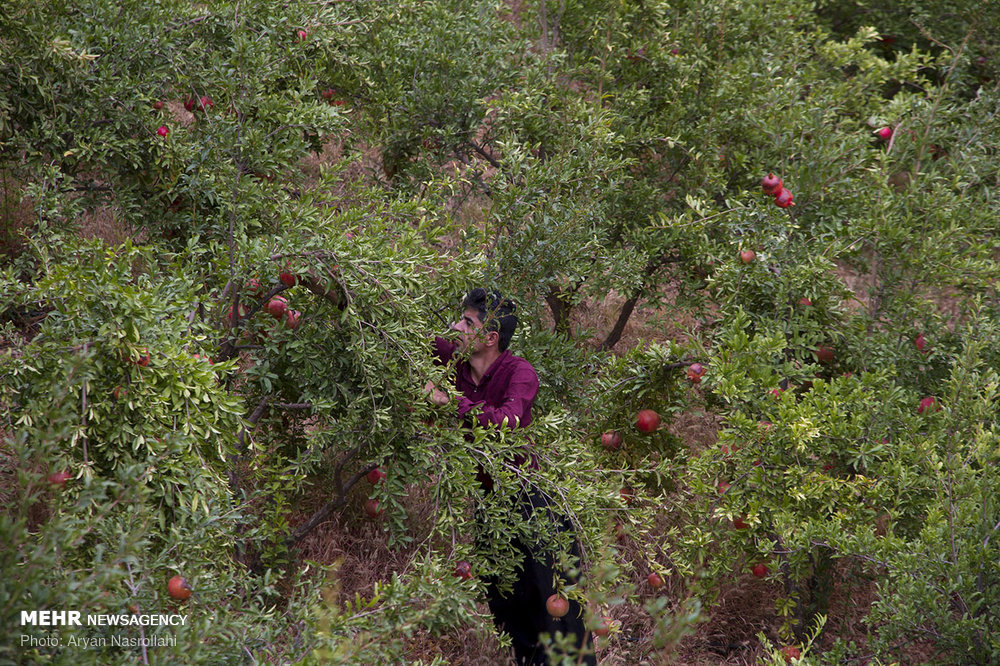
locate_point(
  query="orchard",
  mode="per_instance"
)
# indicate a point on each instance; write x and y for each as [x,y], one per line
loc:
[755,257]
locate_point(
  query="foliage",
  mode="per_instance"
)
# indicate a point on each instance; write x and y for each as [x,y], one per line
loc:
[368,163]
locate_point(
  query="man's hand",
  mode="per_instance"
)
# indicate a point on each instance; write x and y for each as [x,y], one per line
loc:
[436,395]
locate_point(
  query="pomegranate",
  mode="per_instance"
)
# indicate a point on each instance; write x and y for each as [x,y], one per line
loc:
[647,420]
[771,184]
[277,306]
[179,588]
[611,440]
[557,606]
[790,653]
[783,199]
[463,570]
[928,404]
[372,509]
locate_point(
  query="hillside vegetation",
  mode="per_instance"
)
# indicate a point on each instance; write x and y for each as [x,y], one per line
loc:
[229,231]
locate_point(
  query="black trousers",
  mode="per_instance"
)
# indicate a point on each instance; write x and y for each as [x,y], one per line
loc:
[522,613]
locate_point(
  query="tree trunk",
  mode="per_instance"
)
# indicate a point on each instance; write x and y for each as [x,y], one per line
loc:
[560,307]
[652,266]
[616,333]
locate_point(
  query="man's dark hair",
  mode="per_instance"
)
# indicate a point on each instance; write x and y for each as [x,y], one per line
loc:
[495,313]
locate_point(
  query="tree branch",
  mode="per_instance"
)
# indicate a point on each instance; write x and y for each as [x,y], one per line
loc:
[652,266]
[253,419]
[339,499]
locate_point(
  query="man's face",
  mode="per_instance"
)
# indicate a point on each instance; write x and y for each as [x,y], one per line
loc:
[471,336]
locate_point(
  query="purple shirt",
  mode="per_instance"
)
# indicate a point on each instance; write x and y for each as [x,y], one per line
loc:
[507,389]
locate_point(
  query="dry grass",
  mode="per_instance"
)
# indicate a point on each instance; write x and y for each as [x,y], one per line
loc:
[947,301]
[359,546]
[645,325]
[730,635]
[101,223]
[8,472]
[851,599]
[17,215]
[12,491]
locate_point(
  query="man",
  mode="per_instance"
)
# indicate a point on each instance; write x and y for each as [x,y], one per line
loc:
[499,388]
[502,385]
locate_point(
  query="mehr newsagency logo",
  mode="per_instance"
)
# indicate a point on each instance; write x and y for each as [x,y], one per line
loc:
[106,637]
[48,618]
